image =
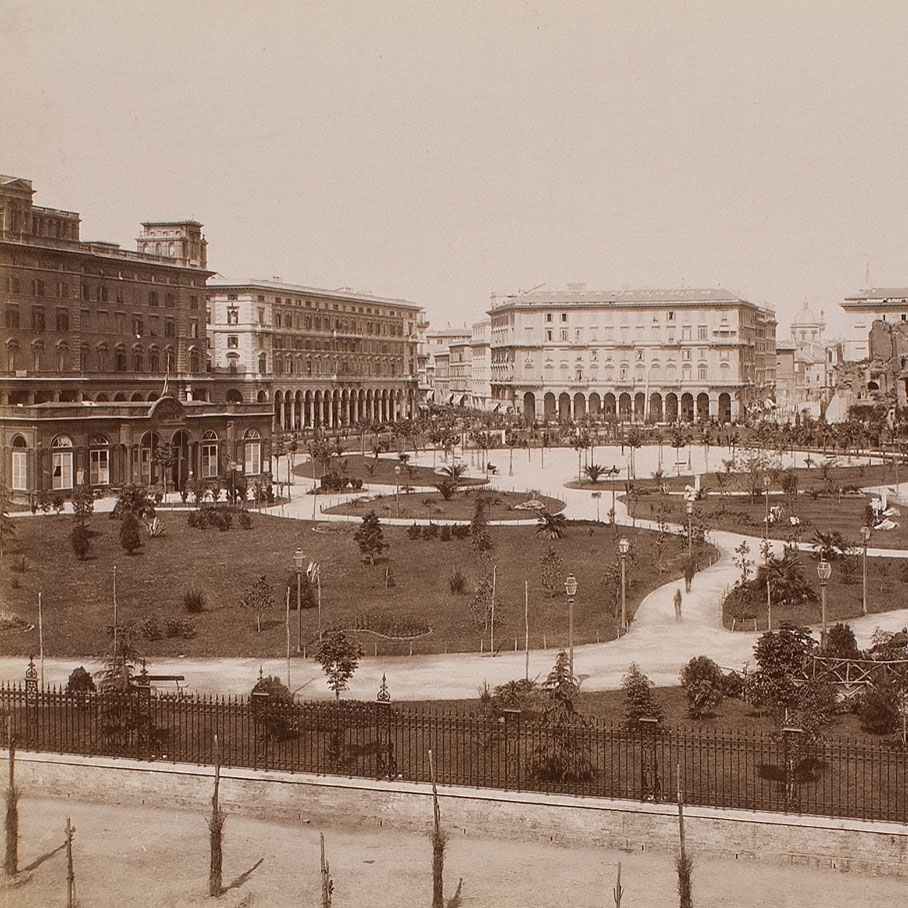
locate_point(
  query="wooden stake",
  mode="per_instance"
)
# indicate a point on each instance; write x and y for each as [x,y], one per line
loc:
[70,870]
[11,864]
[327,882]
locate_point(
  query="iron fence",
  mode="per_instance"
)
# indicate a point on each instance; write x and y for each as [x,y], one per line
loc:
[748,770]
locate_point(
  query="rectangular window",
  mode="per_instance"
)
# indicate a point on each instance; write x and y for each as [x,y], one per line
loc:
[564,334]
[233,316]
[20,471]
[548,334]
[63,469]
[170,300]
[261,315]
[99,468]
[153,298]
[193,302]
[209,460]
[169,328]
[104,295]
[701,332]
[564,316]
[253,457]
[63,290]
[685,332]
[63,320]
[193,328]
[37,318]
[12,317]
[138,326]
[233,341]
[12,284]
[38,287]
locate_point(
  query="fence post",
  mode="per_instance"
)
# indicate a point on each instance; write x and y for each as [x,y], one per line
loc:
[31,698]
[791,753]
[650,786]
[260,701]
[143,714]
[386,764]
[512,763]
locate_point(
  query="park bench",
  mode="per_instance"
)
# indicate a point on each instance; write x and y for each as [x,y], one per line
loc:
[177,679]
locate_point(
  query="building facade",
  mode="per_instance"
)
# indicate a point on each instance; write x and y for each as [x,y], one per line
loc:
[647,356]
[887,304]
[98,343]
[323,359]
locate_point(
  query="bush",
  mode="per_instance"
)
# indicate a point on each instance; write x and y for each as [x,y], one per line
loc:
[150,629]
[444,534]
[430,531]
[702,682]
[80,682]
[179,627]
[129,533]
[245,520]
[194,601]
[414,532]
[457,583]
[20,565]
[639,701]
[878,710]
[272,708]
[80,539]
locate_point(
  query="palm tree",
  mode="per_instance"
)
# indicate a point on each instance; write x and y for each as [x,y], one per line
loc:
[552,526]
[594,471]
[786,578]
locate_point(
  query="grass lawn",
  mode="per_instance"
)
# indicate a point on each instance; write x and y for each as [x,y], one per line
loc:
[424,506]
[408,585]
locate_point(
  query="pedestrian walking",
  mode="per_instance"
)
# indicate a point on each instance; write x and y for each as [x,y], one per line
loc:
[677,605]
[689,571]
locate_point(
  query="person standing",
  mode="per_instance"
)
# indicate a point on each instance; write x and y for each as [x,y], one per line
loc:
[689,571]
[677,601]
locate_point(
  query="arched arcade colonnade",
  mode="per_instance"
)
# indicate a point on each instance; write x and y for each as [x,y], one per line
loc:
[631,406]
[297,409]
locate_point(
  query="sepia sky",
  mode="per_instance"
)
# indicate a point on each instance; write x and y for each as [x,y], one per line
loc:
[439,151]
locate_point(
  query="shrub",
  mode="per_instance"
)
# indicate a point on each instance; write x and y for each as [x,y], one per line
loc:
[878,710]
[272,708]
[80,539]
[129,533]
[702,682]
[225,520]
[457,583]
[150,628]
[80,682]
[460,531]
[194,601]
[20,565]
[444,534]
[245,520]
[639,702]
[414,532]
[430,531]
[179,627]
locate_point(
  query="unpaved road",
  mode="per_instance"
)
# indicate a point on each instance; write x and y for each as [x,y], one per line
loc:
[136,857]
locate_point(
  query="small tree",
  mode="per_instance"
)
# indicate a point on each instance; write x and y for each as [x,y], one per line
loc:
[339,657]
[559,755]
[83,501]
[130,538]
[639,701]
[743,562]
[258,599]
[80,539]
[370,537]
[479,527]
[552,526]
[702,680]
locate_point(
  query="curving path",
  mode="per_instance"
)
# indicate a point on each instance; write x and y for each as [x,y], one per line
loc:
[655,641]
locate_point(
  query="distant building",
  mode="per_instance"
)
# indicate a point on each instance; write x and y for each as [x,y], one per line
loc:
[324,358]
[103,358]
[439,342]
[656,356]
[888,304]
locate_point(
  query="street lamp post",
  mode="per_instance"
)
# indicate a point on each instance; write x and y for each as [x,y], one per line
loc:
[570,587]
[824,572]
[689,508]
[298,560]
[766,512]
[865,538]
[233,469]
[623,548]
[397,489]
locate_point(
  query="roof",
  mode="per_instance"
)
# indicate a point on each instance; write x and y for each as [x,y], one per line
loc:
[622,297]
[878,295]
[219,282]
[806,316]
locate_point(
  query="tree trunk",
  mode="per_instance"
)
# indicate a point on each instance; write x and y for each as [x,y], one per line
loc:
[11,864]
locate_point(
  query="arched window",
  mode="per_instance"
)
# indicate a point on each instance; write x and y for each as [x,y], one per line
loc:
[193,360]
[263,363]
[120,359]
[154,359]
[99,461]
[209,455]
[138,360]
[62,455]
[20,464]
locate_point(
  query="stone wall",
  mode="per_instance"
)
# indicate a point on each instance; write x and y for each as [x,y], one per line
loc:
[844,845]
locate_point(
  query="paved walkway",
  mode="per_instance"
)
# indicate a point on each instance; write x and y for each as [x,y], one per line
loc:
[655,641]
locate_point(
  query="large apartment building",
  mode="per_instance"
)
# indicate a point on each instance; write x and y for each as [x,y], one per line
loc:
[643,355]
[324,358]
[104,357]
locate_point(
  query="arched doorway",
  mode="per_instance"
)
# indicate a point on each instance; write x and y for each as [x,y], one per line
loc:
[655,407]
[548,410]
[639,406]
[687,407]
[624,406]
[724,407]
[671,407]
[529,407]
[564,407]
[234,396]
[702,406]
[182,464]
[608,404]
[579,406]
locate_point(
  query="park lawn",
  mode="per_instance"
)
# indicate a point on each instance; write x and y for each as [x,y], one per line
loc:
[424,506]
[380,471]
[409,583]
